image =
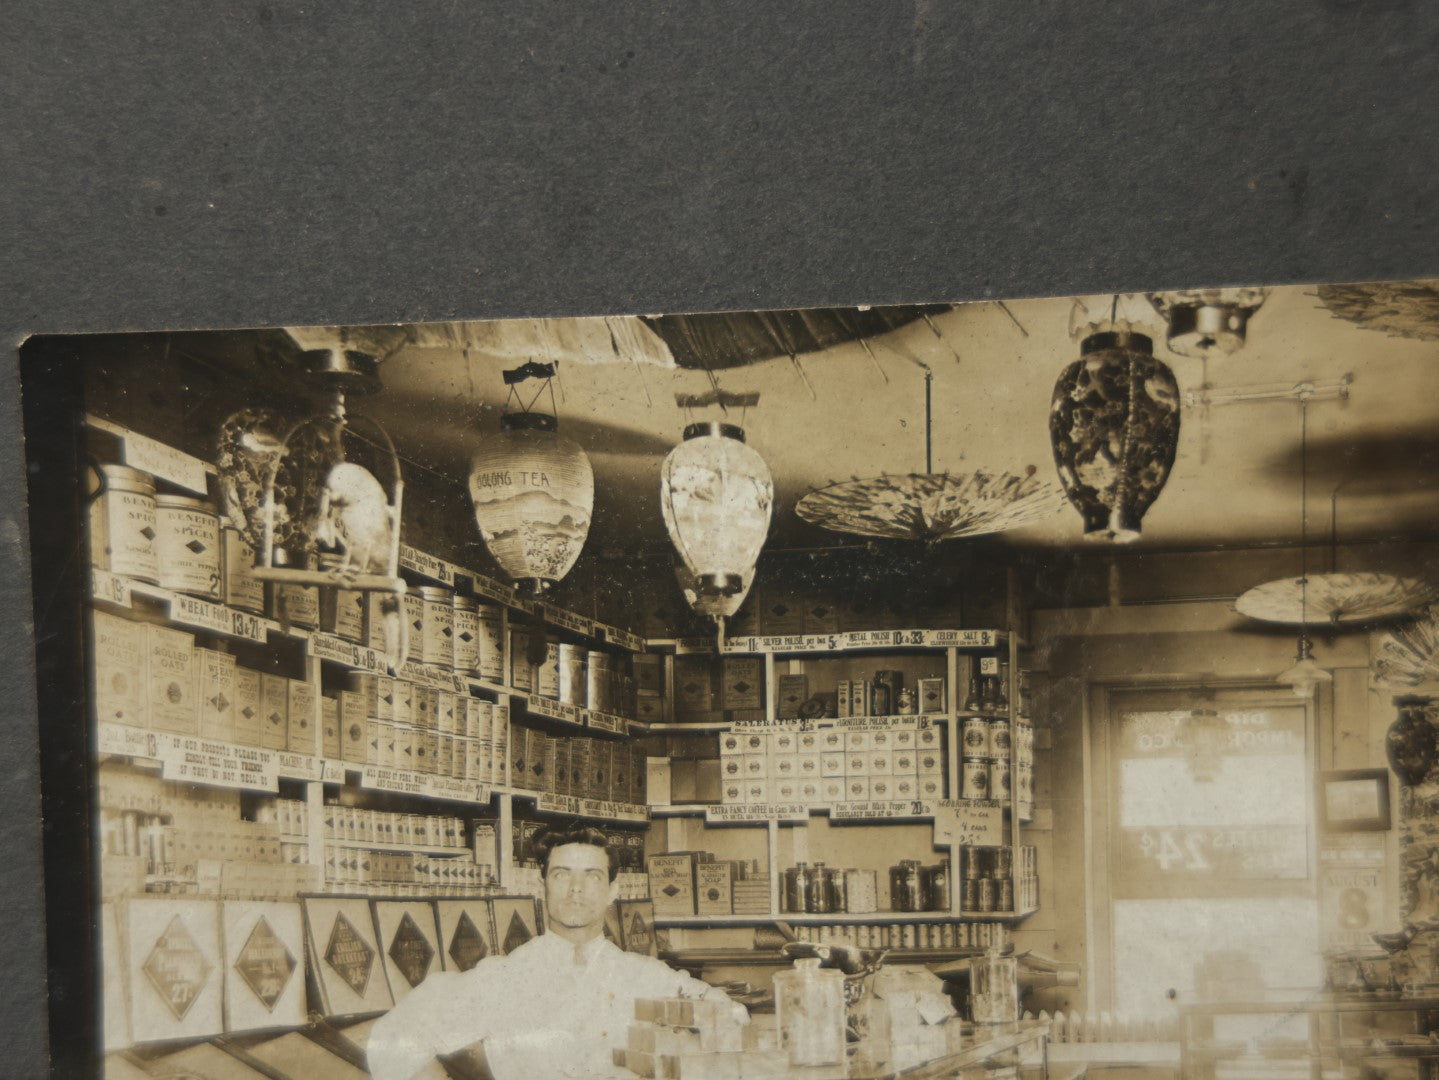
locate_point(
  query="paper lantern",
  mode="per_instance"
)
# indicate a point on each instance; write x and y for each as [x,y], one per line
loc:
[533,492]
[1114,426]
[716,495]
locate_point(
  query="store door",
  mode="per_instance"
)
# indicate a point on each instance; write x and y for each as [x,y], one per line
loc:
[1210,864]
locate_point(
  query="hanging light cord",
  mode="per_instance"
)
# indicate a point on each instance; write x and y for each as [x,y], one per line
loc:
[928,428]
[1303,519]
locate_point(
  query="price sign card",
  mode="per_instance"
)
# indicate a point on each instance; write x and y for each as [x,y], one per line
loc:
[969,824]
[722,814]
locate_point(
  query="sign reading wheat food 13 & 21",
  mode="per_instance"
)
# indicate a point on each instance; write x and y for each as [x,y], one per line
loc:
[1212,797]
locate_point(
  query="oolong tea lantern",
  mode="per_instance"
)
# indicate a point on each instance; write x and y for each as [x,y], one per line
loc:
[533,491]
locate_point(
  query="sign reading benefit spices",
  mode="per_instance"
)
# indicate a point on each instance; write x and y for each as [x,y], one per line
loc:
[1212,794]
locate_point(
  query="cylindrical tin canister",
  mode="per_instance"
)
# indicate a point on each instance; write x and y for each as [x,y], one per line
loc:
[547,673]
[187,546]
[1003,861]
[906,936]
[1006,894]
[597,681]
[817,889]
[122,524]
[969,894]
[794,890]
[491,664]
[975,782]
[999,780]
[835,887]
[243,589]
[907,886]
[897,893]
[572,675]
[987,897]
[999,739]
[974,738]
[437,631]
[522,672]
[467,634]
[937,880]
[973,863]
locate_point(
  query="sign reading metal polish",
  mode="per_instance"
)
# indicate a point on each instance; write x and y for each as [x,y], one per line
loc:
[163,461]
[725,814]
[218,764]
[968,823]
[847,811]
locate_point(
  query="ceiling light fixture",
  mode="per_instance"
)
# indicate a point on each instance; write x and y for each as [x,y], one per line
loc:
[1206,322]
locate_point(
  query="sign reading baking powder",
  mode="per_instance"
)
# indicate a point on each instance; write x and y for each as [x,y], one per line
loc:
[959,821]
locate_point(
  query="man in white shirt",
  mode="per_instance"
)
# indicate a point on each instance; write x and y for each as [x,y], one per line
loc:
[554,1007]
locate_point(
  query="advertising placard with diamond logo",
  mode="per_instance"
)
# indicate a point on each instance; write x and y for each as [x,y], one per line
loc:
[349,955]
[177,968]
[467,944]
[410,951]
[265,964]
[517,934]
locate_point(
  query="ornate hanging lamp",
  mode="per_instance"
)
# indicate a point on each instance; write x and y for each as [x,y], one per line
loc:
[1114,422]
[717,496]
[1206,322]
[319,499]
[533,489]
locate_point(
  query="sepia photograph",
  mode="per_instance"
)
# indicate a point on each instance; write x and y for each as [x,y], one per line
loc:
[1030,689]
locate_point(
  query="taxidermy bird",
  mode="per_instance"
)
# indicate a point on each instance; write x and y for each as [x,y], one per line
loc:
[355,520]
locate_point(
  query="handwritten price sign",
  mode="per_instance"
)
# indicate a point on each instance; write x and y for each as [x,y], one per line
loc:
[968,825]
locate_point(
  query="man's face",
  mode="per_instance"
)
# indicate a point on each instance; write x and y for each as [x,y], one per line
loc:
[578,886]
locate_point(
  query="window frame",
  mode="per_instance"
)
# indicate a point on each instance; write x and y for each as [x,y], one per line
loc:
[1100,718]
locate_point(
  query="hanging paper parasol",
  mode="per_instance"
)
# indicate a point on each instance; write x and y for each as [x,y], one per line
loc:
[1340,599]
[932,506]
[1408,654]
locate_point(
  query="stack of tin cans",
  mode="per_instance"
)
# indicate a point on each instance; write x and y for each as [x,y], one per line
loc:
[985,744]
[914,887]
[987,884]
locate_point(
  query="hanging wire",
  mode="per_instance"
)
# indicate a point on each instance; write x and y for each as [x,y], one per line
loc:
[928,427]
[1303,514]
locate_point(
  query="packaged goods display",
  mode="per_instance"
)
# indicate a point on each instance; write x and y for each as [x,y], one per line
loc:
[832,765]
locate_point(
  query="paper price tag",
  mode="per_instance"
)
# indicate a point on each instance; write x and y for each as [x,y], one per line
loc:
[792,812]
[166,462]
[110,588]
[968,824]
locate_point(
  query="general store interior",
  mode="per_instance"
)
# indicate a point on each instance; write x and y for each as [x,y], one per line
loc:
[1170,876]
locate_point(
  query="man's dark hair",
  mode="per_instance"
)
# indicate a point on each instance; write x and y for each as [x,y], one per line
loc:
[546,840]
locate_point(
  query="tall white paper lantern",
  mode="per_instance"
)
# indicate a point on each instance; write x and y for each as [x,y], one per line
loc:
[716,495]
[533,491]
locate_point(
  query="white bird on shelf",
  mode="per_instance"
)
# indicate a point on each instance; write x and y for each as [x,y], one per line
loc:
[355,519]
